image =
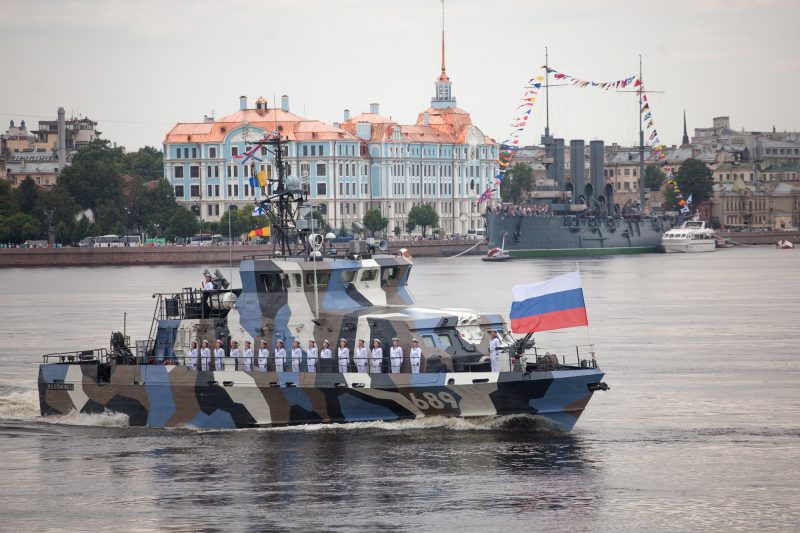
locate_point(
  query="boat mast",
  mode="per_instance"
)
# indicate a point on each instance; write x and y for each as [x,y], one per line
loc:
[547,92]
[641,139]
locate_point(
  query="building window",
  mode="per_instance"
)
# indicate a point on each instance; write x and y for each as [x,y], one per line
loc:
[194,153]
[194,171]
[236,189]
[234,151]
[321,169]
[313,150]
[216,190]
[305,150]
[210,190]
[305,170]
[178,172]
[322,189]
[212,152]
[210,210]
[195,190]
[179,191]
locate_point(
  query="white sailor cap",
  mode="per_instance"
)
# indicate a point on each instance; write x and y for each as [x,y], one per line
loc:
[312,341]
[415,340]
[343,340]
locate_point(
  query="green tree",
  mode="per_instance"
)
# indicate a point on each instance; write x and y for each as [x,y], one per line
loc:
[146,164]
[242,222]
[58,202]
[322,222]
[94,176]
[108,217]
[517,183]
[27,194]
[695,179]
[423,216]
[161,204]
[182,224]
[82,229]
[373,221]
[8,201]
[21,227]
[397,231]
[63,233]
[653,177]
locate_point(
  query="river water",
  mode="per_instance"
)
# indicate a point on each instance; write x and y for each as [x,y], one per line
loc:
[700,431]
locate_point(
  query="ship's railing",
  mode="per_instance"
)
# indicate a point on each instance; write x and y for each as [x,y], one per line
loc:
[191,303]
[583,355]
[99,355]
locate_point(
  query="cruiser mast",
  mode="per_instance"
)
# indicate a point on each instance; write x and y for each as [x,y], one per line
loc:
[641,139]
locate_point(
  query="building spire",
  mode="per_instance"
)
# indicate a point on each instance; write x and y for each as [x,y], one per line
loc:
[443,75]
[685,140]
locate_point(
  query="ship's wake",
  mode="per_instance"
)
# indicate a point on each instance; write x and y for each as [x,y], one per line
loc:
[23,406]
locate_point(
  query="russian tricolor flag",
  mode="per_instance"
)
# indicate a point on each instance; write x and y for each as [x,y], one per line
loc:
[553,304]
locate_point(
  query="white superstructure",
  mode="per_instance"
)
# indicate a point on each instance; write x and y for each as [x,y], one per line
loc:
[692,236]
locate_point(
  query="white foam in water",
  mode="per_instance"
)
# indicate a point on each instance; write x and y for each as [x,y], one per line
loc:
[25,406]
[430,422]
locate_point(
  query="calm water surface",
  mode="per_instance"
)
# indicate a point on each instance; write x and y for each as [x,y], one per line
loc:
[701,430]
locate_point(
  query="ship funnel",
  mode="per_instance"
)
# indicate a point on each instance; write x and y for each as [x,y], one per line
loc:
[594,188]
[577,165]
[558,163]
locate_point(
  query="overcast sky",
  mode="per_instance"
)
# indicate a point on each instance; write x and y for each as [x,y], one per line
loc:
[138,67]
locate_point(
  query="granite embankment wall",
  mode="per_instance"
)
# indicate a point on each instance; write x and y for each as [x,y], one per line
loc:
[190,255]
[761,237]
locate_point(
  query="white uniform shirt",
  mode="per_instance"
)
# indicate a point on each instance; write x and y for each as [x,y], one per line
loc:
[263,357]
[396,358]
[377,360]
[311,359]
[248,360]
[362,355]
[280,359]
[326,353]
[494,354]
[208,286]
[205,359]
[219,356]
[297,355]
[193,354]
[416,357]
[344,359]
[235,353]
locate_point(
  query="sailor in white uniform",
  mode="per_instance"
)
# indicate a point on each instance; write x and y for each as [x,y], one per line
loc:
[325,357]
[396,355]
[205,357]
[248,357]
[219,357]
[415,355]
[494,351]
[362,356]
[312,356]
[194,354]
[280,357]
[263,355]
[343,354]
[297,355]
[235,353]
[377,356]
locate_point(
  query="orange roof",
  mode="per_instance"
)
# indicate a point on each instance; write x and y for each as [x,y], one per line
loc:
[291,126]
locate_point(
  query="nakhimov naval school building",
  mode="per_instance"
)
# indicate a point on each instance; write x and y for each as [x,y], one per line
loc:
[365,162]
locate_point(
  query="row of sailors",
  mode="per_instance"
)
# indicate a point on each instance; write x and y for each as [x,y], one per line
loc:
[363,358]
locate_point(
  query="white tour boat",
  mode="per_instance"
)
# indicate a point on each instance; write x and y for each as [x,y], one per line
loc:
[692,236]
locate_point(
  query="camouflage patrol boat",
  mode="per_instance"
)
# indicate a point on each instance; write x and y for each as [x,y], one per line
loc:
[302,293]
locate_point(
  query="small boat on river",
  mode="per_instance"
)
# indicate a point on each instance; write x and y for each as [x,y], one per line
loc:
[691,237]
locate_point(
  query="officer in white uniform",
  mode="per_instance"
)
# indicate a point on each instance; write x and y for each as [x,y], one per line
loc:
[325,357]
[297,355]
[219,357]
[377,356]
[194,354]
[362,356]
[248,357]
[263,355]
[205,357]
[396,355]
[280,357]
[494,351]
[312,356]
[343,354]
[415,355]
[235,354]
[208,287]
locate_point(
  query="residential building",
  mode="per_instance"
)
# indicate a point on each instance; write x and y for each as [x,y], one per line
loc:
[44,152]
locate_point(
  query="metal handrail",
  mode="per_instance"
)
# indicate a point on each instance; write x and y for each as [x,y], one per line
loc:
[78,356]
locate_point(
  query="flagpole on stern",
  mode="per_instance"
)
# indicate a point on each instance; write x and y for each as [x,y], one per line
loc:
[588,333]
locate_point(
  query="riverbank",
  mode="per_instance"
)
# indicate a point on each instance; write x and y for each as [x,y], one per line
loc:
[194,255]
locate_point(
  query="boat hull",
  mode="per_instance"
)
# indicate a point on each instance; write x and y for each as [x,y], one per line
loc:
[546,236]
[688,247]
[174,396]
